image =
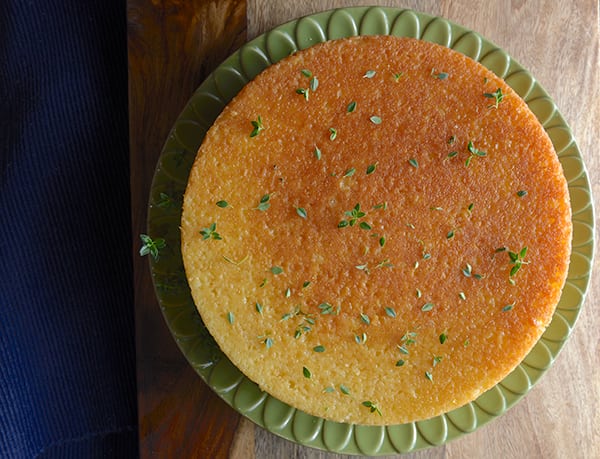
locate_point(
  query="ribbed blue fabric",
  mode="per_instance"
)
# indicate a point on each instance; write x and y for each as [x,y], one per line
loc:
[67,356]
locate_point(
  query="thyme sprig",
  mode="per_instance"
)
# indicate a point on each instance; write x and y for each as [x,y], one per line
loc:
[264,203]
[210,233]
[373,408]
[328,309]
[257,126]
[313,84]
[517,259]
[473,153]
[355,214]
[408,339]
[151,246]
[468,272]
[496,95]
[306,323]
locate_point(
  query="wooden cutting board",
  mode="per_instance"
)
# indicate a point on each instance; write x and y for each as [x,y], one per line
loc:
[174,44]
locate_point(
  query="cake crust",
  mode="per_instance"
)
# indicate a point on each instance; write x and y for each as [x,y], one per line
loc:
[376,230]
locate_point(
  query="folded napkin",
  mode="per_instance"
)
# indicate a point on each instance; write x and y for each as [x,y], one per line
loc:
[67,357]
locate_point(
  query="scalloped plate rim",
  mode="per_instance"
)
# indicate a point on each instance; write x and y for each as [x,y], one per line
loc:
[425,19]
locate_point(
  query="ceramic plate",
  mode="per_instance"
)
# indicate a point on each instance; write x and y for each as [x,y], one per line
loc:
[173,292]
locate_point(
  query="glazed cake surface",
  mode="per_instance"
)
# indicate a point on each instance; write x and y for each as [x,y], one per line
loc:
[376,230]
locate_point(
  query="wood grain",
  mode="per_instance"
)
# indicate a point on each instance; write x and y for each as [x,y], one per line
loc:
[171,47]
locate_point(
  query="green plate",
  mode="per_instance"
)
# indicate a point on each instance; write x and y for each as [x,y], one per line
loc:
[169,277]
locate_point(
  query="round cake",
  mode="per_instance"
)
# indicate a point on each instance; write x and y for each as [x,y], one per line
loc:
[376,230]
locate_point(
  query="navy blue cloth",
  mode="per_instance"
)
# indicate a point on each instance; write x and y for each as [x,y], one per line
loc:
[67,355]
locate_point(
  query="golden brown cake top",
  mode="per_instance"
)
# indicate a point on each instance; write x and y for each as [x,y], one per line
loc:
[376,230]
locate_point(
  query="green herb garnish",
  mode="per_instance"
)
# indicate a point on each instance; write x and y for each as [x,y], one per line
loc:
[517,260]
[429,376]
[365,226]
[222,204]
[372,407]
[351,106]
[304,91]
[257,125]
[301,212]
[439,75]
[497,96]
[332,133]
[390,312]
[344,390]
[210,233]
[350,172]
[371,168]
[259,307]
[264,203]
[165,201]
[384,264]
[276,270]
[307,73]
[508,307]
[230,317]
[443,338]
[413,162]
[317,153]
[473,152]
[409,338]
[363,268]
[467,270]
[400,363]
[306,372]
[328,309]
[151,246]
[427,307]
[266,340]
[360,339]
[369,74]
[304,326]
[354,215]
[375,119]
[319,348]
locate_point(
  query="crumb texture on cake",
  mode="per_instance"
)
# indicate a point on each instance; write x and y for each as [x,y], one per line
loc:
[376,230]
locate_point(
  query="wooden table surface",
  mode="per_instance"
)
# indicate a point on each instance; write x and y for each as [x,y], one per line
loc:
[174,44]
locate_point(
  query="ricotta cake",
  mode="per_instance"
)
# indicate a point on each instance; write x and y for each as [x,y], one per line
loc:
[376,230]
